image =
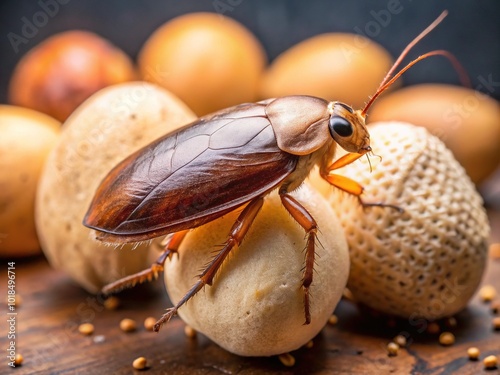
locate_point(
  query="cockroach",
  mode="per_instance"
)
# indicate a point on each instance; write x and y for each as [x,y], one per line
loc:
[229,159]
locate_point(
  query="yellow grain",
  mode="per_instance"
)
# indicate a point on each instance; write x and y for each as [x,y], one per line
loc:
[392,349]
[86,329]
[139,363]
[490,362]
[473,353]
[446,338]
[128,325]
[287,359]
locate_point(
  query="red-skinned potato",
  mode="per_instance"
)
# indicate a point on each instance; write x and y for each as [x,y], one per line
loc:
[57,75]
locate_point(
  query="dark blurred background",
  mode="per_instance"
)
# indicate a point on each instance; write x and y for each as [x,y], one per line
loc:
[471,31]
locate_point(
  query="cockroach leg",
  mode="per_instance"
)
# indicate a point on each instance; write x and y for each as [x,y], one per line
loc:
[306,221]
[343,161]
[151,273]
[235,237]
[349,185]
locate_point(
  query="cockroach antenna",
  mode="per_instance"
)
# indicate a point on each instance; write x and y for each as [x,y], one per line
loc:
[390,77]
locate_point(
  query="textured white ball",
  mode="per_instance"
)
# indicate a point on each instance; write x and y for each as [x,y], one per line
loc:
[255,306]
[429,260]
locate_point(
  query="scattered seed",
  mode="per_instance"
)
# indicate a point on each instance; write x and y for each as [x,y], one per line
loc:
[189,332]
[446,338]
[149,323]
[18,361]
[287,359]
[111,303]
[400,340]
[333,319]
[495,307]
[490,362]
[433,328]
[128,325]
[473,353]
[392,349]
[496,323]
[309,344]
[487,293]
[451,322]
[86,329]
[347,295]
[139,363]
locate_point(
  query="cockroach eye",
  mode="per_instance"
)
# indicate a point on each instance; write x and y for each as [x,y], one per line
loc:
[340,126]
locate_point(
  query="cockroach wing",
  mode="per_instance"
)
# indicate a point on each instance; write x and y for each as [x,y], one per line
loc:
[190,177]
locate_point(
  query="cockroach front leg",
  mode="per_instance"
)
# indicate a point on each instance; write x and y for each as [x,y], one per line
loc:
[152,273]
[349,185]
[306,221]
[236,235]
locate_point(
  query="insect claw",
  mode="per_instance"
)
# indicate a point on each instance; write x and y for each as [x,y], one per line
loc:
[307,312]
[171,312]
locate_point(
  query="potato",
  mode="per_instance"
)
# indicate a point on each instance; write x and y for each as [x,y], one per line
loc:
[105,129]
[26,138]
[210,61]
[467,121]
[57,75]
[255,306]
[334,66]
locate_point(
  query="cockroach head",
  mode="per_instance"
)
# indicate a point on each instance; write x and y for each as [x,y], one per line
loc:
[347,127]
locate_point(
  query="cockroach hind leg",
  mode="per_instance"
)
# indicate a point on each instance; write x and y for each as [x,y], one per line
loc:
[172,311]
[235,237]
[171,246]
[307,306]
[149,275]
[165,318]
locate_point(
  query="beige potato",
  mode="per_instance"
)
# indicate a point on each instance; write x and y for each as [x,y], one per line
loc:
[428,261]
[26,138]
[255,306]
[105,129]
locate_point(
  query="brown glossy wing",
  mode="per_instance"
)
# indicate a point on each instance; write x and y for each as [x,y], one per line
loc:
[190,177]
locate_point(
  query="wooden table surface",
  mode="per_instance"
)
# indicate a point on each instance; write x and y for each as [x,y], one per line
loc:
[53,306]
